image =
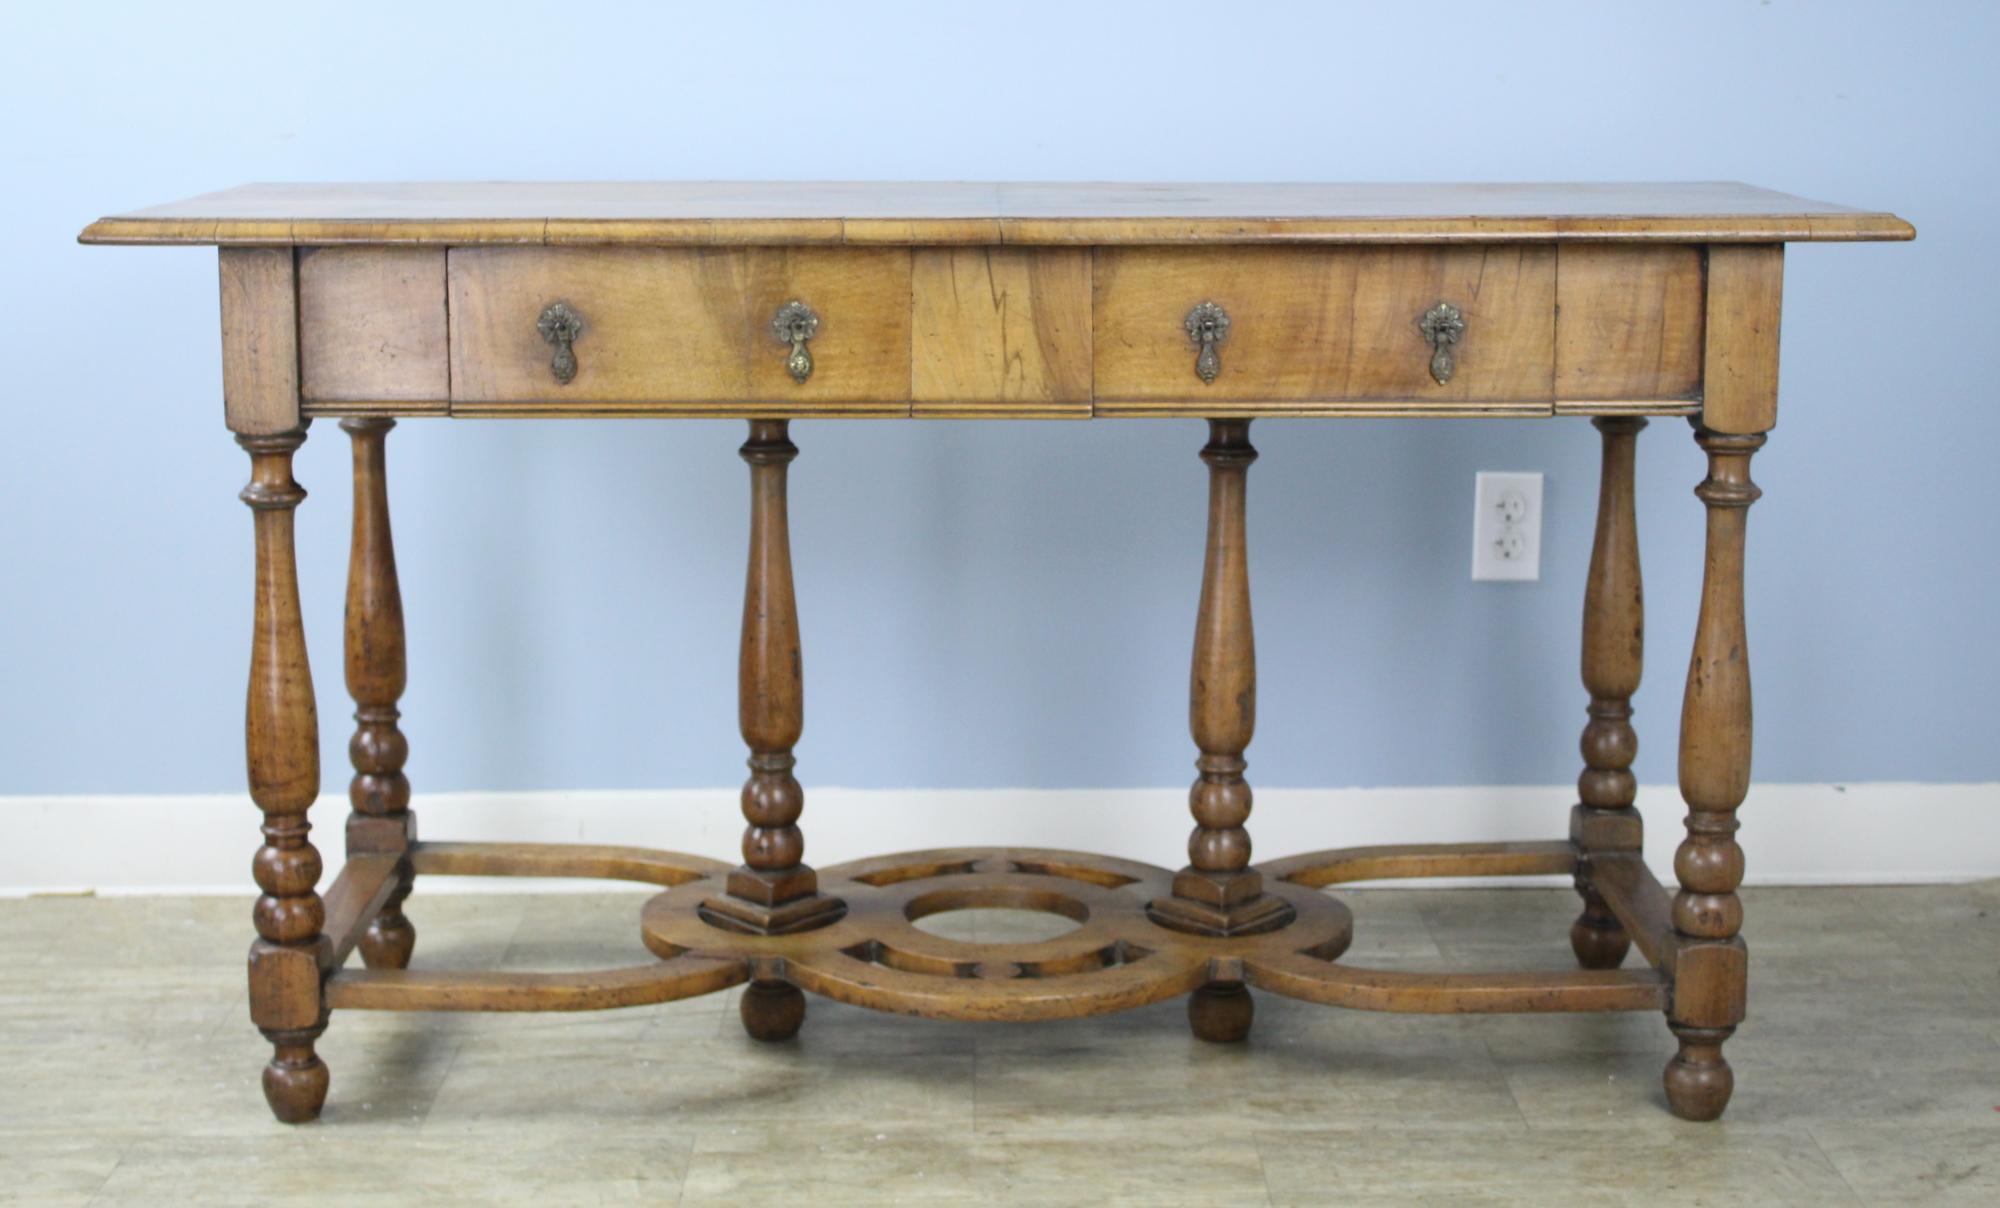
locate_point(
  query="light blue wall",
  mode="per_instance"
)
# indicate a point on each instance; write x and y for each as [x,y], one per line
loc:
[989,604]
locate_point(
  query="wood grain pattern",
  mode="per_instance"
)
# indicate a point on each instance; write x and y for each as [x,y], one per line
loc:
[1222,680]
[604,861]
[372,327]
[1000,332]
[281,745]
[1337,985]
[598,990]
[1325,324]
[681,325]
[379,794]
[948,213]
[1740,370]
[1113,960]
[354,900]
[773,891]
[1347,865]
[1628,325]
[1217,892]
[1709,958]
[260,341]
[876,956]
[1604,819]
[1643,908]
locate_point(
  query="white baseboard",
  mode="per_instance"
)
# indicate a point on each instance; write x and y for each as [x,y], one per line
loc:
[1794,834]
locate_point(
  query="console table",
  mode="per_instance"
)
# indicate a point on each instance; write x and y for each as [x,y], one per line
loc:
[775,301]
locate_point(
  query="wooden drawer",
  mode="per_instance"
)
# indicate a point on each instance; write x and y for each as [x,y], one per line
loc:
[1629,327]
[372,330]
[1325,329]
[1001,332]
[680,330]
[990,331]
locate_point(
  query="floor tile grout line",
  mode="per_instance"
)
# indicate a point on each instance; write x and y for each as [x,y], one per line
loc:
[687,1169]
[1263,1171]
[97,1193]
[1512,1097]
[977,1065]
[465,1037]
[450,1063]
[513,937]
[978,1047]
[1812,1134]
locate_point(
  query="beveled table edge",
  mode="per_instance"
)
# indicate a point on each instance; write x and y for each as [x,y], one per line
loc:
[1854,226]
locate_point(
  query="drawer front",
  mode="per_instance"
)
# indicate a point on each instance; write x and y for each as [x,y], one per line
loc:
[1326,328]
[372,329]
[1001,332]
[1629,327]
[680,330]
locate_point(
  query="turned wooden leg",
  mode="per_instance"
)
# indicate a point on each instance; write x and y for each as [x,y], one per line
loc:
[1710,962]
[772,1010]
[1221,1012]
[1218,893]
[773,892]
[381,821]
[1614,639]
[281,737]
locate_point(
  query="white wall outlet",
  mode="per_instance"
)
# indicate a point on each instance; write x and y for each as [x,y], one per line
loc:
[1507,526]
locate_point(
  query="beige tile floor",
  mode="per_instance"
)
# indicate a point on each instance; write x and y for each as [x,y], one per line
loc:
[1869,1073]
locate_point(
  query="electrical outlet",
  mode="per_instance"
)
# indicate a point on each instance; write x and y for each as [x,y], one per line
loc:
[1507,526]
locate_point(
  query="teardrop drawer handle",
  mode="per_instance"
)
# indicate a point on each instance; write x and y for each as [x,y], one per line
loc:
[1442,326]
[561,326]
[795,324]
[1207,326]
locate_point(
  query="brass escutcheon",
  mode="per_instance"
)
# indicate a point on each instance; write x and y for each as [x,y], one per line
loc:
[560,326]
[1207,326]
[1442,326]
[795,324]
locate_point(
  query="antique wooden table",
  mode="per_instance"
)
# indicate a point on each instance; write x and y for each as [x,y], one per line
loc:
[1226,302]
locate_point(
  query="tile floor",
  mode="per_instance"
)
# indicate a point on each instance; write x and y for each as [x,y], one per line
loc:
[1869,1072]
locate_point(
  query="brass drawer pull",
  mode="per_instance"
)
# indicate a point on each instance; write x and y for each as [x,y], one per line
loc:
[795,324]
[1207,326]
[560,326]
[1442,326]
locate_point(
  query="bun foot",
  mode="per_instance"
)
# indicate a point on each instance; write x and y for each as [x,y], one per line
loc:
[1220,1012]
[1597,939]
[388,942]
[295,1083]
[1699,1080]
[772,1010]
